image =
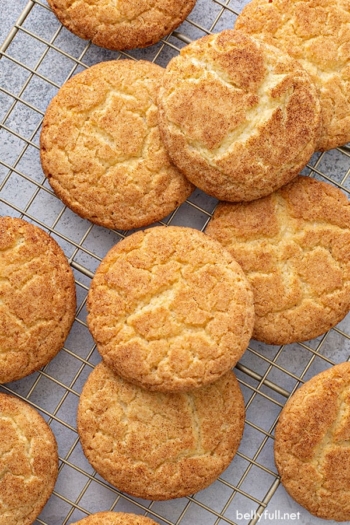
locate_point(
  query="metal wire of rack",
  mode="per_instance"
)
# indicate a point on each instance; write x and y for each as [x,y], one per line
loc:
[37,56]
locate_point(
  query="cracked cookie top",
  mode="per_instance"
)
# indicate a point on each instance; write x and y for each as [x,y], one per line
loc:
[115,518]
[37,298]
[101,148]
[28,462]
[170,309]
[156,445]
[122,24]
[294,247]
[312,450]
[239,117]
[317,34]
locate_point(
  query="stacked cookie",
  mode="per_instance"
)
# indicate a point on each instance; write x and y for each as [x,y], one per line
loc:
[171,313]
[237,116]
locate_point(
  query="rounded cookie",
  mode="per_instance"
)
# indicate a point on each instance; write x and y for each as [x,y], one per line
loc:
[317,34]
[169,309]
[101,148]
[38,302]
[157,445]
[312,451]
[28,462]
[115,518]
[238,117]
[294,247]
[125,24]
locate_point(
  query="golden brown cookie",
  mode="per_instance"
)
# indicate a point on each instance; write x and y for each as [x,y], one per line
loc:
[317,34]
[101,149]
[37,292]
[238,117]
[124,24]
[157,445]
[28,462]
[115,518]
[169,309]
[294,247]
[312,444]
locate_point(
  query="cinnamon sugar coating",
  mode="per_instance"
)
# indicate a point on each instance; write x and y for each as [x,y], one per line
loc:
[156,445]
[238,117]
[312,451]
[38,300]
[294,247]
[170,309]
[317,34]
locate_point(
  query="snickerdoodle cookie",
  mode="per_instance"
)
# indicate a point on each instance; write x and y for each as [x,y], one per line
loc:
[317,34]
[294,247]
[157,445]
[124,24]
[101,148]
[115,518]
[238,117]
[170,309]
[312,450]
[28,462]
[37,291]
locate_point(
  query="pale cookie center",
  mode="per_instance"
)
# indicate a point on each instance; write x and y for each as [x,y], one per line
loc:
[234,123]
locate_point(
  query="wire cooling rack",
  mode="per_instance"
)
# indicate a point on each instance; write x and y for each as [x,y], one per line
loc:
[37,55]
